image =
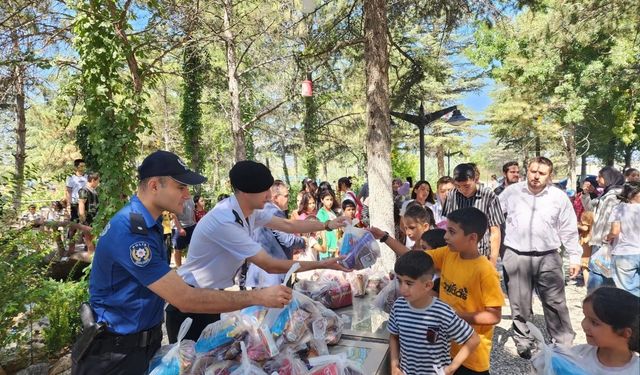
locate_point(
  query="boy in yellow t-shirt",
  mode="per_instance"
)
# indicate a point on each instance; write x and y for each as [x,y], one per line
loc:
[469,282]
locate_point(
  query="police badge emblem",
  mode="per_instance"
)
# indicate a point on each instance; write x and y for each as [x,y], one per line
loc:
[140,253]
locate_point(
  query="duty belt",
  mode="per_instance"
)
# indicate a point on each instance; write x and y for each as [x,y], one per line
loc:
[135,340]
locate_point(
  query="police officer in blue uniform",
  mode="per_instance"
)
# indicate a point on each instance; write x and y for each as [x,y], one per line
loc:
[131,279]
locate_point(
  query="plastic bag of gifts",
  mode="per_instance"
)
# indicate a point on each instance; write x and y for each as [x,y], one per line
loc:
[221,340]
[294,322]
[331,288]
[359,247]
[285,363]
[334,364]
[175,359]
[387,297]
[247,366]
[554,359]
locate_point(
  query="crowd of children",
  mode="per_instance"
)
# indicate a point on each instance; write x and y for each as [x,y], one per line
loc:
[451,295]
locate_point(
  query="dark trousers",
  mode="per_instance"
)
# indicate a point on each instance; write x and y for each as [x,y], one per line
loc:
[465,371]
[175,317]
[543,274]
[103,358]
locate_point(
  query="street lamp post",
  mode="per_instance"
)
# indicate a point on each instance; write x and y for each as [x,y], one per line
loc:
[422,120]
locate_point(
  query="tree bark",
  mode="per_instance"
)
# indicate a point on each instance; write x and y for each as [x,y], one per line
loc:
[283,156]
[237,128]
[166,127]
[310,139]
[583,166]
[21,125]
[611,152]
[571,156]
[628,152]
[440,158]
[378,142]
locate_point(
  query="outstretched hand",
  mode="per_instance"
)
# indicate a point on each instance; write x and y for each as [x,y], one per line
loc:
[335,264]
[377,233]
[339,222]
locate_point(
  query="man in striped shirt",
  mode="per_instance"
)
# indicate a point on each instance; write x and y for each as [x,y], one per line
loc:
[467,193]
[421,326]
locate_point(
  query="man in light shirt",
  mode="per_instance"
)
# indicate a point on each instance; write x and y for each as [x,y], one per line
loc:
[540,219]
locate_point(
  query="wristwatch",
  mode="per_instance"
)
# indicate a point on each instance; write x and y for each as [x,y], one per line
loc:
[326,226]
[384,238]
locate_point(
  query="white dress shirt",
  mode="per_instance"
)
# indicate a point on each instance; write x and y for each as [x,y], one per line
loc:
[540,222]
[220,244]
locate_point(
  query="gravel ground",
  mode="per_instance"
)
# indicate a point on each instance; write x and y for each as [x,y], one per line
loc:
[504,357]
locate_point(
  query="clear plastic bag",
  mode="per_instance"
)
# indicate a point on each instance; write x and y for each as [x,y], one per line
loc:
[358,281]
[600,261]
[286,363]
[331,288]
[554,359]
[247,366]
[219,334]
[174,359]
[335,364]
[359,247]
[387,297]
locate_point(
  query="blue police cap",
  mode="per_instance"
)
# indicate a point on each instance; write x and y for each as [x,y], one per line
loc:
[165,163]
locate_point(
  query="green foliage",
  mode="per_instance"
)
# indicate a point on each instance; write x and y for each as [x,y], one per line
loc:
[404,164]
[115,113]
[194,72]
[22,268]
[60,303]
[565,71]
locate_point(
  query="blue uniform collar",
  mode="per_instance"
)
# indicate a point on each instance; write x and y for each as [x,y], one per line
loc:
[137,206]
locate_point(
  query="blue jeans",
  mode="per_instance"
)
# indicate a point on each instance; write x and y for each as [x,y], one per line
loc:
[625,273]
[596,280]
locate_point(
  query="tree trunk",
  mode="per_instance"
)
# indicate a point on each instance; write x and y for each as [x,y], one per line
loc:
[583,166]
[166,127]
[440,157]
[237,128]
[378,142]
[571,156]
[611,152]
[628,152]
[310,143]
[21,126]
[538,146]
[325,170]
[285,170]
[295,164]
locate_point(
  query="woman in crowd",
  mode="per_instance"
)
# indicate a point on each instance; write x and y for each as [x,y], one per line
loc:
[611,180]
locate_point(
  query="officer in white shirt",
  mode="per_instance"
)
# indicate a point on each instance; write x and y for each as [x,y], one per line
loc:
[222,241]
[540,218]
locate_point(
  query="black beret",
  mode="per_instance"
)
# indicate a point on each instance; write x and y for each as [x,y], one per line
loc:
[250,177]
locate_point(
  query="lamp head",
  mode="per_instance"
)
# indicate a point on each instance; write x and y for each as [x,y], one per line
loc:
[457,118]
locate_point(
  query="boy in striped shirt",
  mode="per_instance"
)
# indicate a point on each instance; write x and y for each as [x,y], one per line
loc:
[421,327]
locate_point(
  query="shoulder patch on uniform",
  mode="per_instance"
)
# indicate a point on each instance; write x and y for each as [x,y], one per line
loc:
[138,226]
[238,218]
[140,253]
[106,229]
